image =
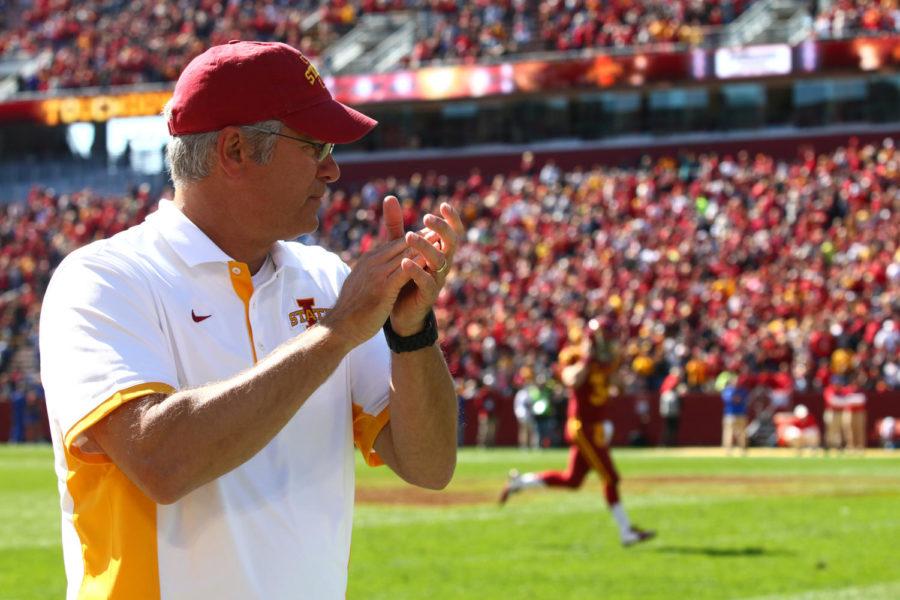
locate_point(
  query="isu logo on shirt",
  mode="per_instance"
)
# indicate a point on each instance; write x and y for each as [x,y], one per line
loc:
[308,312]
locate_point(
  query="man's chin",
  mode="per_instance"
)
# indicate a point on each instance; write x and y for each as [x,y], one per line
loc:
[307,228]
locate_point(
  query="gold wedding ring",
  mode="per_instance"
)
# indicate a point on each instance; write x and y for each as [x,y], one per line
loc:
[444,268]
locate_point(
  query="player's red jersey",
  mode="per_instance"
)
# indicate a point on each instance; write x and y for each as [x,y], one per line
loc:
[588,403]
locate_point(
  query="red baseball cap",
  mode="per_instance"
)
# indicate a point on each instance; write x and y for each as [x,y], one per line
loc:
[240,83]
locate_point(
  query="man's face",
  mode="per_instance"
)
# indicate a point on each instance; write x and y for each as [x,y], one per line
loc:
[290,188]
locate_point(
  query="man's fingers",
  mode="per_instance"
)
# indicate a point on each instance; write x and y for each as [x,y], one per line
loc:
[452,217]
[399,277]
[434,258]
[386,252]
[445,231]
[423,279]
[392,218]
[431,236]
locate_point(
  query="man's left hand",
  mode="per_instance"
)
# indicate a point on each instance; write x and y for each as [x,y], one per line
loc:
[431,252]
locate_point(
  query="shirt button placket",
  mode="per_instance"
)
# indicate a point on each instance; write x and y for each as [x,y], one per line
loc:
[260,347]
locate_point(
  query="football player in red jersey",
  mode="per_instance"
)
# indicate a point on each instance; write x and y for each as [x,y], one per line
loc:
[587,367]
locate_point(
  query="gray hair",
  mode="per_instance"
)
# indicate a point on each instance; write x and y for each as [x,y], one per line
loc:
[188,156]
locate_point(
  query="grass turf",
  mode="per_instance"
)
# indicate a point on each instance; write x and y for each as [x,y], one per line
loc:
[768,526]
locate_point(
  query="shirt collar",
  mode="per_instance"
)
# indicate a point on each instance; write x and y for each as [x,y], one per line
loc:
[194,247]
[283,257]
[188,241]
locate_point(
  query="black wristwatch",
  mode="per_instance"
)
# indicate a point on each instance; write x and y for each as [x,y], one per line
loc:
[410,343]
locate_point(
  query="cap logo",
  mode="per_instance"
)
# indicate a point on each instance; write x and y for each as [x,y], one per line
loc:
[312,75]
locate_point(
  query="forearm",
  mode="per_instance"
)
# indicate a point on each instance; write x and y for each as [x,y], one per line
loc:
[196,435]
[419,441]
[423,418]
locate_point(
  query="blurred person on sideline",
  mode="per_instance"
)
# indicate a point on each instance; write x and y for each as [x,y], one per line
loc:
[888,432]
[845,404]
[18,414]
[853,423]
[206,380]
[735,394]
[524,407]
[644,369]
[588,365]
[780,386]
[550,404]
[839,363]
[34,415]
[487,402]
[465,394]
[833,414]
[798,429]
[671,392]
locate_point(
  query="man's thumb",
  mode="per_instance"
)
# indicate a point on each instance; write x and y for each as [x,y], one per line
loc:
[392,218]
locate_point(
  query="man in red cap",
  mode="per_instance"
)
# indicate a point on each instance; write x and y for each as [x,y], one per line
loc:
[207,380]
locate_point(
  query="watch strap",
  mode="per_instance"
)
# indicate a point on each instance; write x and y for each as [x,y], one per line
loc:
[410,343]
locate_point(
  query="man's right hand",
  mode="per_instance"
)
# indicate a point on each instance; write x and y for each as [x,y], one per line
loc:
[369,293]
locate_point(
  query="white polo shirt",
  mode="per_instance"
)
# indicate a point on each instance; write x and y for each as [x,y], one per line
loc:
[160,308]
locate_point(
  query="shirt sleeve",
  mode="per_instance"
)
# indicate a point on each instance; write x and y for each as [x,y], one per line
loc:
[102,344]
[370,380]
[368,370]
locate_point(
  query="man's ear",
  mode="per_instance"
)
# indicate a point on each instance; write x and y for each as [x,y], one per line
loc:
[231,151]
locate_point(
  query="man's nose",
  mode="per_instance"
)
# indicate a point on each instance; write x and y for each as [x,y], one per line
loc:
[329,171]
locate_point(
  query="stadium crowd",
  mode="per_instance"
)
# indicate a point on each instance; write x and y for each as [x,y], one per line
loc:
[105,43]
[704,261]
[481,29]
[34,237]
[109,43]
[710,263]
[843,18]
[119,43]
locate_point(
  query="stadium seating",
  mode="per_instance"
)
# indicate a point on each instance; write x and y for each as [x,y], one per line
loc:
[97,43]
[707,261]
[846,17]
[34,237]
[482,29]
[120,43]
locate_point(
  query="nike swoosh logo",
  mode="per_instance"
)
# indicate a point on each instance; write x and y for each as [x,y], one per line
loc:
[197,318]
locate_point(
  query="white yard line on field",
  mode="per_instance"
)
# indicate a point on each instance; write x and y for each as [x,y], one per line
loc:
[879,591]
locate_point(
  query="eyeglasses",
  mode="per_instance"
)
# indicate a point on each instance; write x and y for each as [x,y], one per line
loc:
[323,149]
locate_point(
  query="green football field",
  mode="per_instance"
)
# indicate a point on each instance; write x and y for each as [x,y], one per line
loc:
[770,525]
